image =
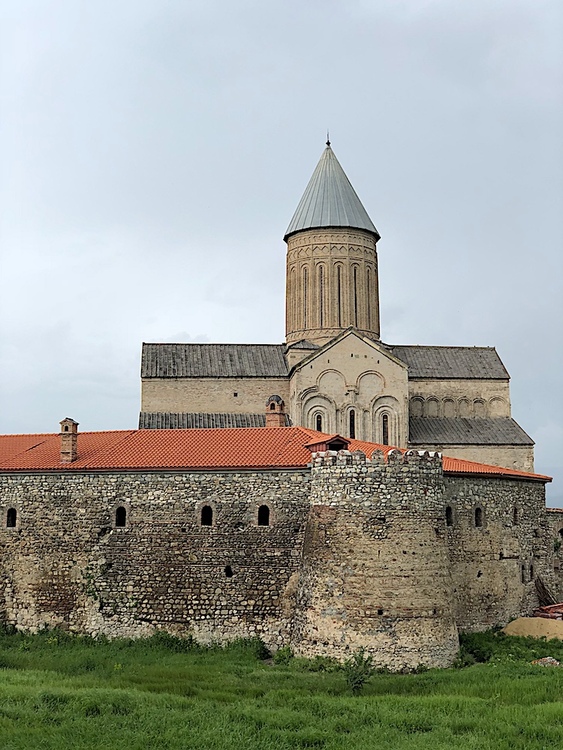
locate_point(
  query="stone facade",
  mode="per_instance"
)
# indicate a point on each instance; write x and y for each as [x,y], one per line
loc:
[349,552]
[226,395]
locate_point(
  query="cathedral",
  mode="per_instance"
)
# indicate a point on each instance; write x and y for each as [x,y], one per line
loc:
[334,374]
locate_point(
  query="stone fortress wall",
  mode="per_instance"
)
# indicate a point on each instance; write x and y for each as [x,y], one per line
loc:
[390,555]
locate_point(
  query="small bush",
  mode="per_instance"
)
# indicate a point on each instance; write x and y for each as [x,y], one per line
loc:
[358,669]
[261,651]
[283,656]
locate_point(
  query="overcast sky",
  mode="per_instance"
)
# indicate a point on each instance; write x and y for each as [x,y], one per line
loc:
[152,154]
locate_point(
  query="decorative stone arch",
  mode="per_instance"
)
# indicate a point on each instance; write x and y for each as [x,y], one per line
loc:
[338,293]
[416,406]
[351,421]
[386,406]
[463,407]
[448,407]
[355,295]
[479,408]
[432,407]
[319,406]
[370,382]
[498,407]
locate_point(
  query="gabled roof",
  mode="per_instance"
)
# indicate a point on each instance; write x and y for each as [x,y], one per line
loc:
[268,360]
[330,200]
[213,361]
[466,431]
[212,449]
[350,331]
[451,362]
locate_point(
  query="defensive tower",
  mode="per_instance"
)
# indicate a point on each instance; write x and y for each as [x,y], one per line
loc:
[332,275]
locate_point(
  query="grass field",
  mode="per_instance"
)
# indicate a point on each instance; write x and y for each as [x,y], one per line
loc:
[59,692]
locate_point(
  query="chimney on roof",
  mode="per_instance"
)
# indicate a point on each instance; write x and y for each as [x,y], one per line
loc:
[275,412]
[69,440]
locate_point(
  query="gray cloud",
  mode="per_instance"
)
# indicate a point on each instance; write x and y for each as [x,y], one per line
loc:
[153,153]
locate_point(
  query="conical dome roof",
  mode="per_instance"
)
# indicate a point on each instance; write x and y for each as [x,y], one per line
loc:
[330,200]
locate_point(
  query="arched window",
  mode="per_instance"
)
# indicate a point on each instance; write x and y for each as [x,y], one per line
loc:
[449,516]
[319,423]
[207,515]
[561,533]
[352,420]
[385,429]
[120,516]
[263,515]
[11,518]
[272,406]
[478,517]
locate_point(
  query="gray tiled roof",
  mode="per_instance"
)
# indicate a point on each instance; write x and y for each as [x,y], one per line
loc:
[213,361]
[451,362]
[329,200]
[466,431]
[169,421]
[268,361]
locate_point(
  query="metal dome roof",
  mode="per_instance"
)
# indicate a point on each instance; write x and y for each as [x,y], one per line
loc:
[330,200]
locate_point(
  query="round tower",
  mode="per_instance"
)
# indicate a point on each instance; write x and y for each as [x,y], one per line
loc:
[332,274]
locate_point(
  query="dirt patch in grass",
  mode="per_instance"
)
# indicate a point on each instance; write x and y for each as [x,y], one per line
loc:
[535,627]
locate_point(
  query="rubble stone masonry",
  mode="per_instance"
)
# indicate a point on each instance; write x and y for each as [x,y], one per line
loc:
[388,554]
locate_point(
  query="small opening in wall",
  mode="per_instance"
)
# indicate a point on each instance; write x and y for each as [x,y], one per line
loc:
[263,515]
[561,533]
[319,423]
[352,424]
[66,428]
[120,516]
[531,572]
[207,515]
[272,407]
[235,394]
[228,571]
[479,573]
[449,516]
[379,611]
[478,517]
[515,516]
[385,429]
[523,573]
[11,518]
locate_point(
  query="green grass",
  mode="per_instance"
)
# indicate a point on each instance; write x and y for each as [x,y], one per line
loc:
[59,692]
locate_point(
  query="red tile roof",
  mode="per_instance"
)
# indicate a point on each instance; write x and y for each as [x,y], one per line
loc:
[228,448]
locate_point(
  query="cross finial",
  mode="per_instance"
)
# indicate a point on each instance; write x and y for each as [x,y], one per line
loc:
[327,138]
